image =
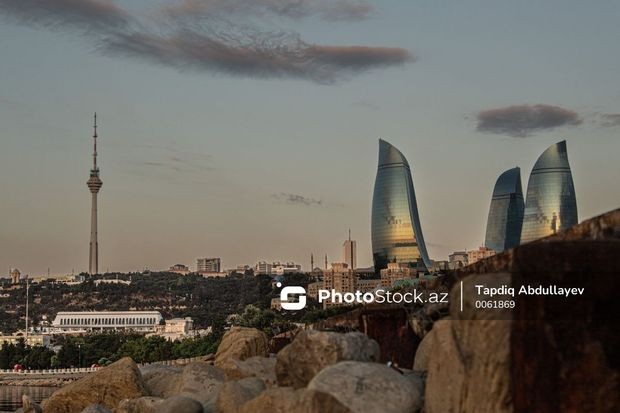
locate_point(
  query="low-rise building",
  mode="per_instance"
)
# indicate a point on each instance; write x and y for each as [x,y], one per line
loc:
[30,339]
[368,285]
[208,265]
[15,276]
[396,271]
[179,269]
[262,268]
[87,321]
[479,254]
[214,274]
[313,289]
[458,259]
[339,278]
[112,281]
[175,329]
[278,268]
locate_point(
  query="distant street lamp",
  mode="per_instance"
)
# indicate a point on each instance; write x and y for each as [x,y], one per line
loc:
[79,355]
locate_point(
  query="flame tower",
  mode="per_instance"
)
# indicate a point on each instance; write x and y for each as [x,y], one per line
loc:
[94,184]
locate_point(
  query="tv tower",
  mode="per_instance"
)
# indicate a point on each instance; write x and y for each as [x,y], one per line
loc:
[94,184]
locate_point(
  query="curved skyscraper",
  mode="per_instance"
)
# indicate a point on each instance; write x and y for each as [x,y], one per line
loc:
[506,212]
[396,232]
[550,205]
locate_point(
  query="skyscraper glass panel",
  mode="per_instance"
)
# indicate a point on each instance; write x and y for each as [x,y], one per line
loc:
[396,232]
[551,204]
[506,212]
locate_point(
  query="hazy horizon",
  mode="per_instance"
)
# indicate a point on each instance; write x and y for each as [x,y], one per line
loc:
[250,132]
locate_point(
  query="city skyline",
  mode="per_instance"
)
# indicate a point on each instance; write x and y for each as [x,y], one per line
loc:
[260,162]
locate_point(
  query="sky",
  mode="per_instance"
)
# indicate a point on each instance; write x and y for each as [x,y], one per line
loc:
[248,129]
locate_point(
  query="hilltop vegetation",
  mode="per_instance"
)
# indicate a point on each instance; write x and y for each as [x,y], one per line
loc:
[206,300]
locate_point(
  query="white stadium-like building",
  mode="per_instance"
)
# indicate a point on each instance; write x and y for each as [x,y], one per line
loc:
[80,321]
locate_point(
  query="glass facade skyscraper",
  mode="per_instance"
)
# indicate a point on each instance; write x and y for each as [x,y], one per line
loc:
[396,232]
[550,205]
[506,212]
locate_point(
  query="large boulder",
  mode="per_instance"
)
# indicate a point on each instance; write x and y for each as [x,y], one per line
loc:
[312,351]
[175,404]
[233,394]
[201,381]
[240,343]
[469,362]
[273,400]
[262,367]
[161,380]
[369,388]
[426,346]
[287,399]
[107,387]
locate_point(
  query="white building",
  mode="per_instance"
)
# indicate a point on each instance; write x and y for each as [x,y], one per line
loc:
[278,268]
[112,281]
[213,274]
[175,329]
[86,321]
[262,268]
[208,265]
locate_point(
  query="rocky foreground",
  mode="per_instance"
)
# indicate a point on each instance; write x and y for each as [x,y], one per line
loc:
[319,372]
[544,355]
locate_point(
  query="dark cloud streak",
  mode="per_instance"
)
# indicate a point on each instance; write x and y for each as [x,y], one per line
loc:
[258,55]
[88,16]
[331,10]
[213,44]
[521,121]
[295,199]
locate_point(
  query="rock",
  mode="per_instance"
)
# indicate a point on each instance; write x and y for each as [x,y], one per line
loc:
[240,343]
[427,345]
[312,401]
[233,394]
[179,404]
[29,406]
[273,400]
[368,388]
[107,387]
[160,380]
[312,351]
[146,404]
[261,367]
[175,404]
[201,381]
[287,399]
[96,408]
[469,363]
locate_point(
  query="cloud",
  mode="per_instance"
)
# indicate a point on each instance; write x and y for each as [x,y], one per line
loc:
[88,16]
[609,120]
[295,199]
[193,36]
[331,10]
[523,120]
[258,55]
